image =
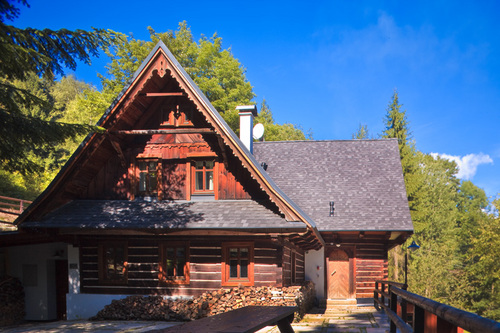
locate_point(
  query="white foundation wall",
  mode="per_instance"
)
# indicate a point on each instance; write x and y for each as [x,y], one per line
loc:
[34,265]
[84,306]
[315,270]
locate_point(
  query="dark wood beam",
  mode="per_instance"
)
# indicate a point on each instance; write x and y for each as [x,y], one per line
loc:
[166,131]
[164,94]
[119,151]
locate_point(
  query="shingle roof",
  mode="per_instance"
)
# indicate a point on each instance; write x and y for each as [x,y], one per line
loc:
[363,177]
[140,214]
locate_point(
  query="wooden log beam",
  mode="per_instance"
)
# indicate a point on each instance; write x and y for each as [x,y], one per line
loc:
[163,94]
[119,151]
[165,131]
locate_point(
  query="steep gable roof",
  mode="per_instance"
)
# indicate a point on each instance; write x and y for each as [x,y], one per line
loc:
[125,112]
[363,178]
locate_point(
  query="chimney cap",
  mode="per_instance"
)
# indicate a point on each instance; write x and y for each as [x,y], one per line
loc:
[247,108]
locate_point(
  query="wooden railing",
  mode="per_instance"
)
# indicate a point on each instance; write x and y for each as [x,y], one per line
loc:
[12,207]
[410,312]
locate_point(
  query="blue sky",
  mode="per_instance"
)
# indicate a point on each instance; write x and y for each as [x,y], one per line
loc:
[329,66]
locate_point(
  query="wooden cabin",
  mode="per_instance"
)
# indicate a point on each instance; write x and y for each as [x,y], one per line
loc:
[168,201]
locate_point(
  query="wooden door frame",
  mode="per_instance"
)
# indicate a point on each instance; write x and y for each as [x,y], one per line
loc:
[351,253]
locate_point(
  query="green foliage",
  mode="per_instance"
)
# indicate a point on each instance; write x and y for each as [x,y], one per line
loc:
[275,132]
[48,158]
[219,75]
[457,263]
[483,269]
[361,133]
[436,267]
[397,126]
[24,126]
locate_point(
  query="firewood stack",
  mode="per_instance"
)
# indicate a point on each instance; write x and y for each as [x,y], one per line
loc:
[208,304]
[11,301]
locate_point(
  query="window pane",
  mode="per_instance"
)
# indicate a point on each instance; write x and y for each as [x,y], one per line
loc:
[233,268]
[244,252]
[209,164]
[143,166]
[180,252]
[170,267]
[142,181]
[199,180]
[199,165]
[243,268]
[209,180]
[181,262]
[233,253]
[153,182]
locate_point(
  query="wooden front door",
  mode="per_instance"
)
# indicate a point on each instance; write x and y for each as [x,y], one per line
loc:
[338,274]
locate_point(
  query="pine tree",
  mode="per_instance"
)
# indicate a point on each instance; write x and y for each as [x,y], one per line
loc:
[45,53]
[397,126]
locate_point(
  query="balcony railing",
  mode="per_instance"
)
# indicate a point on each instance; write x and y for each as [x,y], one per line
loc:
[11,208]
[410,312]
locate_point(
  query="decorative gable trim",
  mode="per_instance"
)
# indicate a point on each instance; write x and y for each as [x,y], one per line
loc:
[115,120]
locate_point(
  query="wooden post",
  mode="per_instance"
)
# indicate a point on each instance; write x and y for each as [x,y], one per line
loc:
[375,296]
[394,308]
[383,290]
[418,319]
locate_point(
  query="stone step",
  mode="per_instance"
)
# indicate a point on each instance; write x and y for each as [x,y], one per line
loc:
[345,304]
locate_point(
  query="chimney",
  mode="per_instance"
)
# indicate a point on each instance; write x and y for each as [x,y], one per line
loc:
[247,112]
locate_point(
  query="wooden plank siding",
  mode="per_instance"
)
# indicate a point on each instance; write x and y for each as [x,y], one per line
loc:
[288,260]
[113,181]
[371,265]
[205,266]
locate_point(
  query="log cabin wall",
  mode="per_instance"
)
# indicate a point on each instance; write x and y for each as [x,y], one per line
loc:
[293,266]
[371,265]
[205,257]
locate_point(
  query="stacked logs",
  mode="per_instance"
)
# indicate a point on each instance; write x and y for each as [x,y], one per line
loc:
[208,304]
[11,301]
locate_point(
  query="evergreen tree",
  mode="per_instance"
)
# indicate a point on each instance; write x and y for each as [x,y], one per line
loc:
[397,126]
[361,133]
[275,132]
[45,53]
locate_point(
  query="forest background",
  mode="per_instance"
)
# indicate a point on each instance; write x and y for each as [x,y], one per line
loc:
[456,225]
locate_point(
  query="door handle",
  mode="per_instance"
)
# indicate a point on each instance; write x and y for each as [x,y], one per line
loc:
[335,271]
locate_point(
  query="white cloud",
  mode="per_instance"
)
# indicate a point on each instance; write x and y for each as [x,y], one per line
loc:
[467,165]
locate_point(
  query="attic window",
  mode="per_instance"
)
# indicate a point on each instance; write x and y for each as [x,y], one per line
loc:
[203,176]
[147,177]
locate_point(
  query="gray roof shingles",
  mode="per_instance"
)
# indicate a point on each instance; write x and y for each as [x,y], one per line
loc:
[363,177]
[140,214]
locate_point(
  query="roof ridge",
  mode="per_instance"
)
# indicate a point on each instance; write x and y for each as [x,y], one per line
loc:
[314,141]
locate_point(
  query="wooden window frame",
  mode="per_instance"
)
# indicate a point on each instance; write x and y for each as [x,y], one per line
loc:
[225,266]
[293,267]
[137,192]
[194,191]
[103,276]
[162,269]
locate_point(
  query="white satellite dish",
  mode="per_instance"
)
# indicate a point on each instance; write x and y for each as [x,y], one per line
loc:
[258,131]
